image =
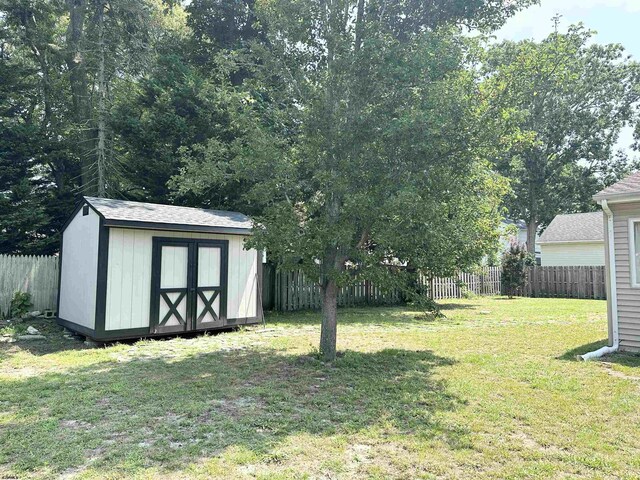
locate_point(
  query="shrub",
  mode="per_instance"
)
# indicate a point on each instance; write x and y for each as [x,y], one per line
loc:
[514,262]
[20,304]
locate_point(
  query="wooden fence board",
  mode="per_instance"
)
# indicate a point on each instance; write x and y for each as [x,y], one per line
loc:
[294,291]
[544,282]
[566,282]
[289,291]
[37,275]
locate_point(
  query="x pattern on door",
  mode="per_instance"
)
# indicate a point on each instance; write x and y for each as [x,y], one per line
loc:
[173,308]
[207,305]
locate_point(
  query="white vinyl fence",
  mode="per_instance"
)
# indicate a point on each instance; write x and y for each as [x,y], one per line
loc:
[37,275]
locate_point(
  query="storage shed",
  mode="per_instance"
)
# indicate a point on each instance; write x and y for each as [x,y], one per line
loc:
[575,239]
[131,269]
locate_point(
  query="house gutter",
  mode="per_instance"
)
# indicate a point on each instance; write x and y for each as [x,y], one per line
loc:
[613,291]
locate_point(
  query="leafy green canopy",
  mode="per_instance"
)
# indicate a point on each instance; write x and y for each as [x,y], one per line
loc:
[570,98]
[514,273]
[368,143]
[36,158]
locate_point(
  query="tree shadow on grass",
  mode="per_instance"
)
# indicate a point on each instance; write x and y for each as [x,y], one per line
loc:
[136,412]
[398,316]
[457,306]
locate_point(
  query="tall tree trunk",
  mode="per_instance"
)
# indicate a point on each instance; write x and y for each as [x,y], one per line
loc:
[328,333]
[101,148]
[75,59]
[359,24]
[532,230]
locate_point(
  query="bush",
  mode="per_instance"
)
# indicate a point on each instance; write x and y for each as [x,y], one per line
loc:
[20,304]
[514,262]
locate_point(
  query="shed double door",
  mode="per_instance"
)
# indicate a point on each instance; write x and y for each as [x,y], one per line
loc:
[189,285]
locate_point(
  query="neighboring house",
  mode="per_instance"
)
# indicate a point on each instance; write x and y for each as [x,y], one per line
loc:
[131,269]
[573,240]
[520,237]
[621,205]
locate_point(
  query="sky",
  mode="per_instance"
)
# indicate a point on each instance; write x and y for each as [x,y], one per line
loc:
[616,21]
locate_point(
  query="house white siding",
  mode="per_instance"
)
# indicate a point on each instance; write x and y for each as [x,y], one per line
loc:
[567,254]
[129,276]
[78,277]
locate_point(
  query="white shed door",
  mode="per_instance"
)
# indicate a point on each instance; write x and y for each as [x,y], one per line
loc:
[173,298]
[209,287]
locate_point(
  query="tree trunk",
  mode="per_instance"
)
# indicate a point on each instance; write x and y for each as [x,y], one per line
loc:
[80,92]
[328,333]
[101,148]
[532,230]
[359,24]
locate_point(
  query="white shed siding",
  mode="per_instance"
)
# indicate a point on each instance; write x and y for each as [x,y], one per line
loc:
[572,254]
[79,270]
[628,296]
[129,276]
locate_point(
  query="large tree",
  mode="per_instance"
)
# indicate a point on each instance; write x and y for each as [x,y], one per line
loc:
[37,160]
[63,64]
[106,42]
[373,141]
[222,31]
[570,98]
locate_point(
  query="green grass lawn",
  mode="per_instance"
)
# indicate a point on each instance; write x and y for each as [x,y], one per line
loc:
[491,391]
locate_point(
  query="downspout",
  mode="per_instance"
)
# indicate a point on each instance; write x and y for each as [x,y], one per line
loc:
[612,291]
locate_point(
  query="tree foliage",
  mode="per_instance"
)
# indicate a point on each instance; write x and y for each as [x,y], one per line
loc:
[514,263]
[37,161]
[570,98]
[369,142]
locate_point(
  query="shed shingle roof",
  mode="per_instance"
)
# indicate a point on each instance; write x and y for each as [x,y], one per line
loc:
[576,227]
[123,211]
[627,186]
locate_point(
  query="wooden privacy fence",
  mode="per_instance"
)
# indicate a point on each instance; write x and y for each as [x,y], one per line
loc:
[288,291]
[37,275]
[566,282]
[294,291]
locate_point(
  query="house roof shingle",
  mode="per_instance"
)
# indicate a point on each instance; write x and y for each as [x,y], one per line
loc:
[575,227]
[521,224]
[627,186]
[123,211]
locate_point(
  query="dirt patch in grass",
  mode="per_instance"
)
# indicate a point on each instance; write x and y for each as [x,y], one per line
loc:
[75,425]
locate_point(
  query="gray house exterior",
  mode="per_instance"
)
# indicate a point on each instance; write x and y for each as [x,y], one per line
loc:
[621,206]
